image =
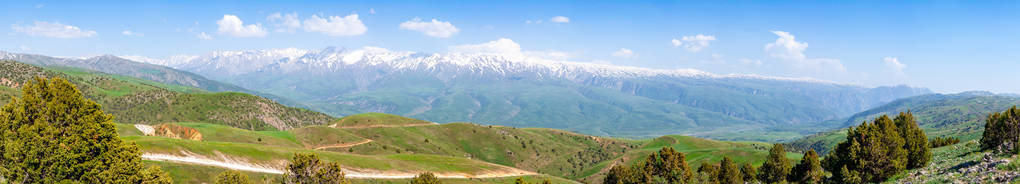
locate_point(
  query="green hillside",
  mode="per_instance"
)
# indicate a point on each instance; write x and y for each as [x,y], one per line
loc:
[138,101]
[955,115]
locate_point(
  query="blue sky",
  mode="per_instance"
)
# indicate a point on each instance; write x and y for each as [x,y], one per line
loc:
[948,46]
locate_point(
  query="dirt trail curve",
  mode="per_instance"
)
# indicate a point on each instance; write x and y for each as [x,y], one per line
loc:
[344,145]
[234,164]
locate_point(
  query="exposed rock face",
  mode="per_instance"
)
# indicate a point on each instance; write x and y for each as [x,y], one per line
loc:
[177,132]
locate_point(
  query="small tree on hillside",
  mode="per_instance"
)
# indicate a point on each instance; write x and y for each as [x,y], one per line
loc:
[748,173]
[873,152]
[668,164]
[52,134]
[809,170]
[776,166]
[1001,130]
[308,169]
[729,172]
[915,142]
[425,178]
[710,171]
[232,177]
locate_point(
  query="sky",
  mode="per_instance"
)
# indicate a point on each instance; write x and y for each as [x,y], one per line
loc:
[947,46]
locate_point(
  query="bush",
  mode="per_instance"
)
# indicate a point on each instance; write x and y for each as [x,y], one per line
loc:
[425,178]
[943,141]
[232,177]
[308,169]
[873,152]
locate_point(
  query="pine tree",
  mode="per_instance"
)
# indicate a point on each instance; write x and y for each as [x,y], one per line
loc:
[52,134]
[748,173]
[425,178]
[776,166]
[729,173]
[872,152]
[308,169]
[809,170]
[1001,130]
[916,143]
[669,165]
[232,177]
[711,171]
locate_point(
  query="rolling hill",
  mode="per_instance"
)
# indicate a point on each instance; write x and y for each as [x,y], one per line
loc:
[594,99]
[139,101]
[959,115]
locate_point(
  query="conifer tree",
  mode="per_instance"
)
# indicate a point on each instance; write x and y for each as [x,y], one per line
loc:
[710,171]
[52,134]
[425,178]
[1001,130]
[729,173]
[308,169]
[670,165]
[748,173]
[915,142]
[232,177]
[809,170]
[776,166]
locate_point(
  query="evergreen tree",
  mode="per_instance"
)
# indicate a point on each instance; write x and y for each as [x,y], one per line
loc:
[809,170]
[52,134]
[425,178]
[748,173]
[669,165]
[873,152]
[776,166]
[232,177]
[711,171]
[915,142]
[308,169]
[729,173]
[1001,130]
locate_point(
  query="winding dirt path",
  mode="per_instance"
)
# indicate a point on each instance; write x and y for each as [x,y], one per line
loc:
[228,163]
[344,145]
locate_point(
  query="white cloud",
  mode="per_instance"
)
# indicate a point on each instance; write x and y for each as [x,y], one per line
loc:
[131,33]
[559,19]
[500,46]
[507,47]
[335,25]
[204,36]
[287,23]
[371,11]
[894,63]
[533,21]
[40,5]
[624,53]
[693,43]
[53,30]
[230,25]
[435,28]
[25,48]
[787,48]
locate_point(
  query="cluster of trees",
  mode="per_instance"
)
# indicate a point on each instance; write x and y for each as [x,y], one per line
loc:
[1001,130]
[670,166]
[52,134]
[873,152]
[943,141]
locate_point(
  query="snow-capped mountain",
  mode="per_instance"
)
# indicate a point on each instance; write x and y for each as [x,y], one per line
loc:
[525,90]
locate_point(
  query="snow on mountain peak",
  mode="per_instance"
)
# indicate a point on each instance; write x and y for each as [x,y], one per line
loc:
[239,62]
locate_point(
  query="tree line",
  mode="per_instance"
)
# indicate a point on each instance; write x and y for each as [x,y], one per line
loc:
[871,153]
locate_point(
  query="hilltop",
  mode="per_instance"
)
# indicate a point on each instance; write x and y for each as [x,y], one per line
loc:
[139,101]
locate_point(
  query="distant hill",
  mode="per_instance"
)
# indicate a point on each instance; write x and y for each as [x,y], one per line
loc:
[139,101]
[594,99]
[959,115]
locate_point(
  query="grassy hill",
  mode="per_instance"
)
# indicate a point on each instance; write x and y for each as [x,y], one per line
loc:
[556,153]
[956,115]
[139,101]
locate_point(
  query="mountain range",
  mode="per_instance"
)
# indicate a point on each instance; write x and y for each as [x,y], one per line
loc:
[518,90]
